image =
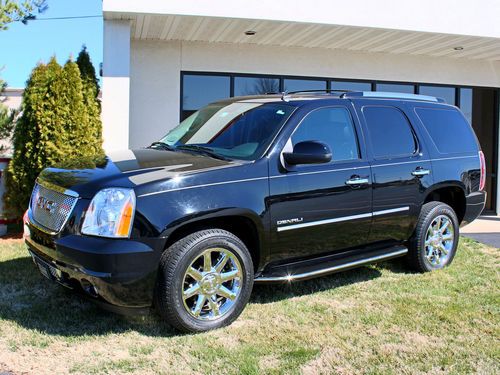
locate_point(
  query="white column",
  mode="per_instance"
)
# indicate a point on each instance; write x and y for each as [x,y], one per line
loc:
[116,85]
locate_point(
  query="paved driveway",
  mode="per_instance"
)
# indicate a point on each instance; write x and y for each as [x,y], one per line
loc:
[485,229]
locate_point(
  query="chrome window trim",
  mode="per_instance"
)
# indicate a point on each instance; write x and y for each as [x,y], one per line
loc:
[317,172]
[457,157]
[401,162]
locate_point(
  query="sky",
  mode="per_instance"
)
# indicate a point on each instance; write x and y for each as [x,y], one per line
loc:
[23,46]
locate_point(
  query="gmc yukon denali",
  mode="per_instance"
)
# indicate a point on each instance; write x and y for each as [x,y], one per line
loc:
[260,189]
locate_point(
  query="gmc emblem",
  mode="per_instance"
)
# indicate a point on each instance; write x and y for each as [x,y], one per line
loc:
[46,204]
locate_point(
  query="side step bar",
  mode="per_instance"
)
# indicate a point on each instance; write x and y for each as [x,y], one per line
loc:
[332,267]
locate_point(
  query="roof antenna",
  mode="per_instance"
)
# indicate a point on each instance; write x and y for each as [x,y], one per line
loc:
[284,96]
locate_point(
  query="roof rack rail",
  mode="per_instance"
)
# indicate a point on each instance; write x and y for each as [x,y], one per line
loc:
[392,95]
[324,90]
[285,95]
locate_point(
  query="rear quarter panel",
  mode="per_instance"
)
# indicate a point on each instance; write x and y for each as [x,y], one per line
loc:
[460,169]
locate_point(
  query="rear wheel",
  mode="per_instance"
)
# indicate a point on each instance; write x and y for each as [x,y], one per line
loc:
[435,240]
[205,281]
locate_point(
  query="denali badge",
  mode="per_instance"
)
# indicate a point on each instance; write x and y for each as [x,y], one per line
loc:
[46,204]
[295,220]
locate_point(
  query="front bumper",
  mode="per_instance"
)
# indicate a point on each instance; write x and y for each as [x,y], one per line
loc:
[120,274]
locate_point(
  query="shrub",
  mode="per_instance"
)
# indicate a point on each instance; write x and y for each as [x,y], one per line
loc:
[56,125]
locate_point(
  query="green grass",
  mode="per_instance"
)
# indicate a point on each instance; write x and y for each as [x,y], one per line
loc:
[373,320]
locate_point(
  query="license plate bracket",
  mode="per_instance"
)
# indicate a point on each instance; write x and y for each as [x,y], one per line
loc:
[47,270]
[44,270]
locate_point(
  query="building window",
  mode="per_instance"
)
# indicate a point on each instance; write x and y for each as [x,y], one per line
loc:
[304,84]
[351,85]
[466,103]
[255,85]
[396,87]
[446,93]
[390,132]
[199,90]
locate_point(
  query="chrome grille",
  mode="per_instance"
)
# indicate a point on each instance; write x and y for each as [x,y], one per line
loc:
[49,208]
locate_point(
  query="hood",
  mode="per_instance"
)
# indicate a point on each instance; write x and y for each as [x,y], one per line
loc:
[128,168]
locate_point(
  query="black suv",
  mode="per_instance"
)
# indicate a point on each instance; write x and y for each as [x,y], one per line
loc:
[271,188]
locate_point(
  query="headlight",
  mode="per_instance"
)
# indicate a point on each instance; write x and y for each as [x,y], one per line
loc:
[110,213]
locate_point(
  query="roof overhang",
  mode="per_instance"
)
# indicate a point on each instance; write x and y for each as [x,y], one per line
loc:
[445,28]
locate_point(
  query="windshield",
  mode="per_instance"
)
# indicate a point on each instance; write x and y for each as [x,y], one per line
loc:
[235,130]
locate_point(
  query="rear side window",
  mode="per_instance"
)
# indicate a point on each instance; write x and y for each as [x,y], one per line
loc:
[390,132]
[448,129]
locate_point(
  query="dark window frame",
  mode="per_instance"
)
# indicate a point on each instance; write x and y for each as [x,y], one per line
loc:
[329,80]
[265,76]
[425,126]
[456,102]
[325,81]
[376,83]
[356,133]
[410,125]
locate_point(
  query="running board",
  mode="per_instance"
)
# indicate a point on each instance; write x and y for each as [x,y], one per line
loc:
[283,274]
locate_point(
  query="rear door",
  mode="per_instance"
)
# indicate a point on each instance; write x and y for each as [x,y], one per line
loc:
[321,208]
[401,168]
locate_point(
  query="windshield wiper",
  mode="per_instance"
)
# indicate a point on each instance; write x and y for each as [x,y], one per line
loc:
[161,146]
[203,150]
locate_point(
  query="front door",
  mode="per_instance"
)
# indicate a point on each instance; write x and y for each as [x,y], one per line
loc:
[322,208]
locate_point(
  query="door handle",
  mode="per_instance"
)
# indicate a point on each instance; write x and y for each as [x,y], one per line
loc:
[419,172]
[356,180]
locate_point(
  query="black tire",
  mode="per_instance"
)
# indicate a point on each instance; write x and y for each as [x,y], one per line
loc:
[171,280]
[417,254]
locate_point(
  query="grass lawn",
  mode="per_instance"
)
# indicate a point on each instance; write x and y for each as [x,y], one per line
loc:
[378,319]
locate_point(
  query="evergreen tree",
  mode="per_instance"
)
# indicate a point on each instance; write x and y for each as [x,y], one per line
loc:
[87,70]
[27,159]
[55,127]
[90,93]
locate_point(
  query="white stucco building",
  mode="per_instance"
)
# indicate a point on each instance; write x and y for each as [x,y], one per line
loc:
[165,59]
[11,98]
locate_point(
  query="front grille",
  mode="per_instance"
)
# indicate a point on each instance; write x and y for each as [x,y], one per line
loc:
[49,208]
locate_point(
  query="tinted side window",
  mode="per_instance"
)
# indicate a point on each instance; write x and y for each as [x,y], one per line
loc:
[448,129]
[390,132]
[332,126]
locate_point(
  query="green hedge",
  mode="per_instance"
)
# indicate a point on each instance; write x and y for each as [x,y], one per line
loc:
[60,121]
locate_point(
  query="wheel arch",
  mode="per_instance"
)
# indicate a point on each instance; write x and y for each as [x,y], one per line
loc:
[244,224]
[453,194]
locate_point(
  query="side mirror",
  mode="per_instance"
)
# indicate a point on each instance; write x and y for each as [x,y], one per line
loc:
[308,152]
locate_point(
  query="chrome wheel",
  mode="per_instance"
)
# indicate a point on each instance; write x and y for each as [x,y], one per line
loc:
[212,284]
[439,240]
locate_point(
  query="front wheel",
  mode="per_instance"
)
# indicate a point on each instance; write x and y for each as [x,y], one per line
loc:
[204,281]
[435,240]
